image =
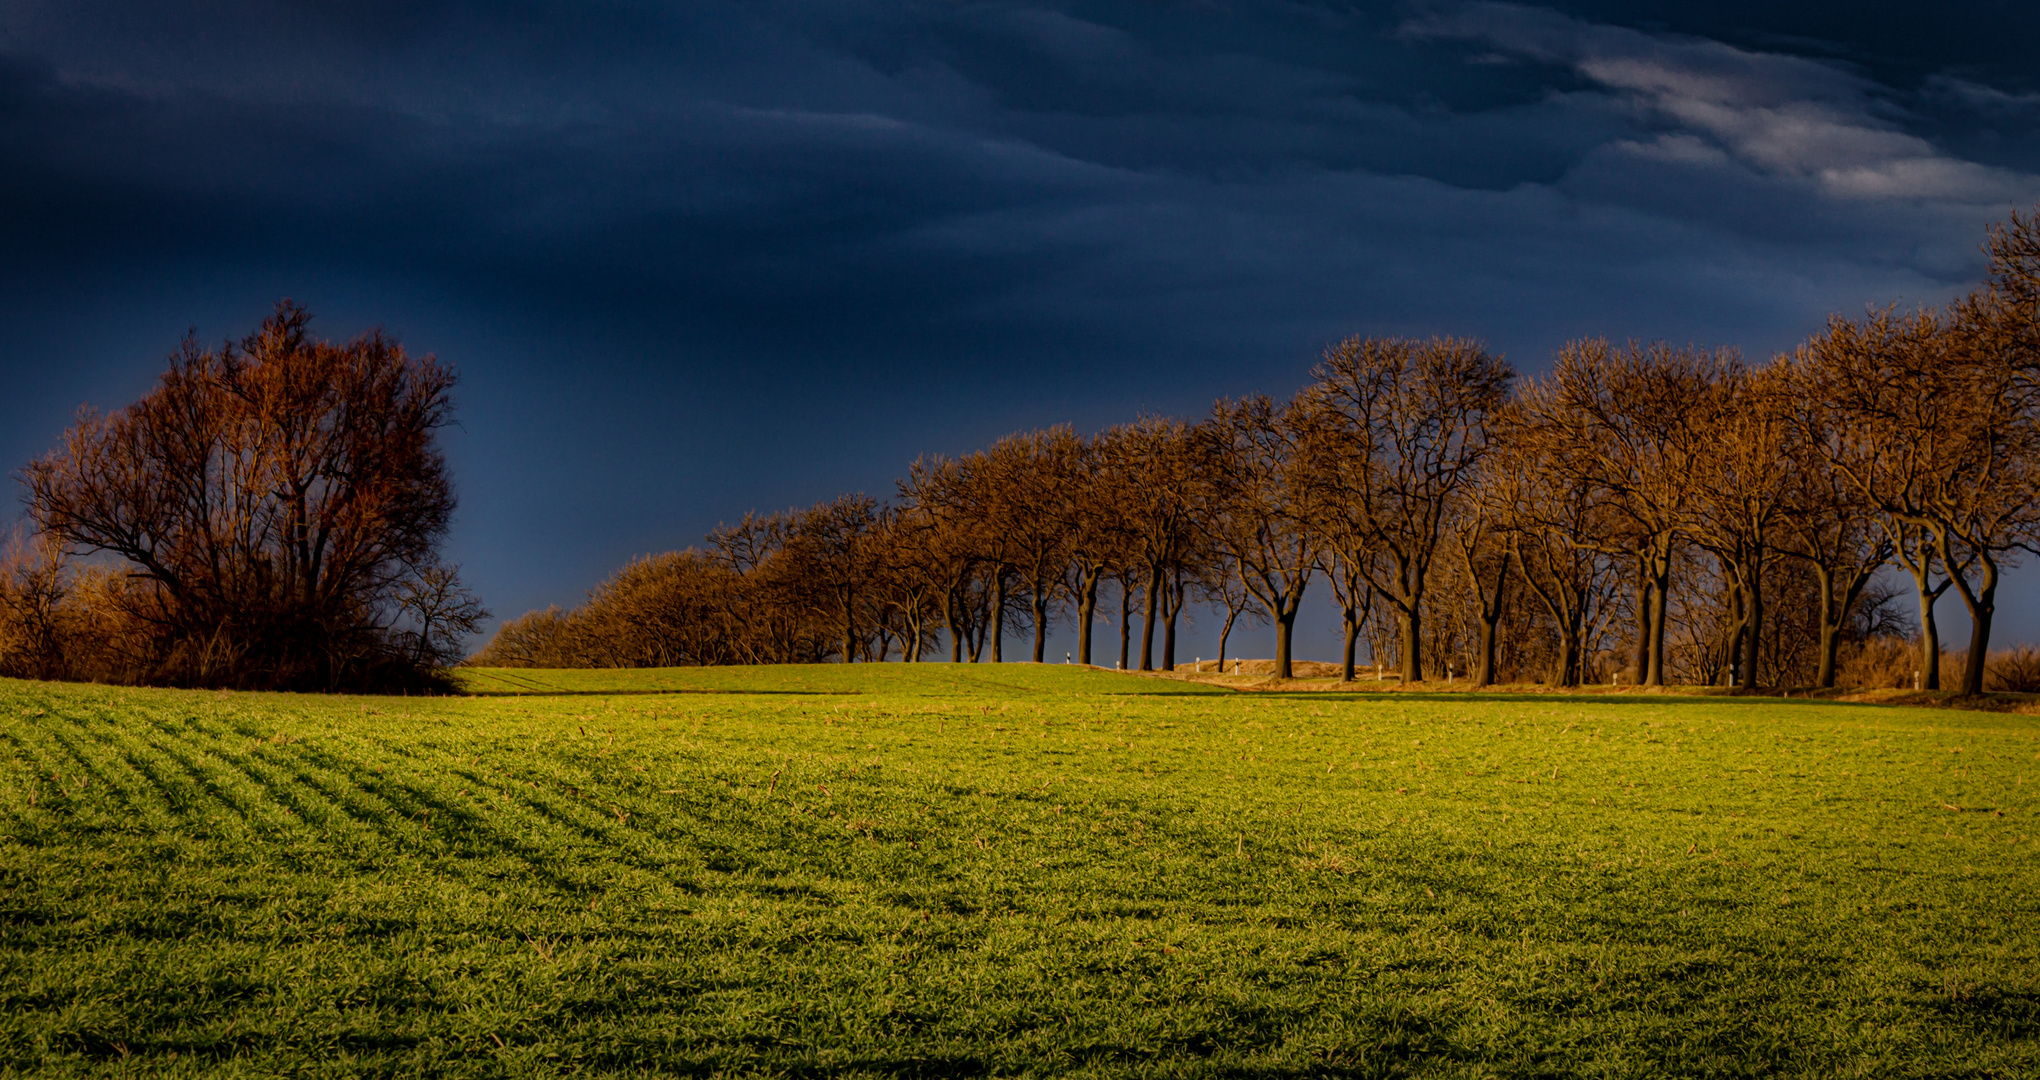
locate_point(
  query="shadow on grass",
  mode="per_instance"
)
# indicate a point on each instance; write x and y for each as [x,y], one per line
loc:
[1988,1010]
[1477,697]
[677,691]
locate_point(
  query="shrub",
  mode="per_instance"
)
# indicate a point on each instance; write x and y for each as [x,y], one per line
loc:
[1878,663]
[2015,670]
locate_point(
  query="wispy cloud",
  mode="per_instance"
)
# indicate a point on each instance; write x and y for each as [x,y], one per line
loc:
[1787,117]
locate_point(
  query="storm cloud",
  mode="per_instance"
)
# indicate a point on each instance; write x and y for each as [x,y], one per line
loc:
[696,258]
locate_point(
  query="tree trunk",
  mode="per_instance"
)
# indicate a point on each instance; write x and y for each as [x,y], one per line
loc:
[1568,657]
[1039,603]
[1413,642]
[1488,624]
[1172,600]
[997,629]
[1087,610]
[1982,604]
[1285,626]
[1169,641]
[1830,649]
[1980,618]
[1491,616]
[1352,627]
[1659,589]
[1919,562]
[1930,642]
[1643,624]
[1830,626]
[849,625]
[1224,633]
[952,621]
[1125,620]
[1731,658]
[1753,622]
[1147,625]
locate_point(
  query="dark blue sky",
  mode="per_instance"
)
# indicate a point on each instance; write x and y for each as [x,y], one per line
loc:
[695,258]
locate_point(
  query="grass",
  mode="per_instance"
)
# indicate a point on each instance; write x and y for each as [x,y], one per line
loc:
[1012,870]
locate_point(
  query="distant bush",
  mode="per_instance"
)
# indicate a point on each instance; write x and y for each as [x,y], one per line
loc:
[538,639]
[1886,662]
[1878,663]
[2015,670]
[93,623]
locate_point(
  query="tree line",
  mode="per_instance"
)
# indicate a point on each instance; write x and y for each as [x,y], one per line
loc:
[1720,518]
[270,516]
[1643,511]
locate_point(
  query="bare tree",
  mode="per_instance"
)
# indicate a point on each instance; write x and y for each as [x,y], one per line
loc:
[35,584]
[1930,427]
[834,555]
[1158,466]
[1620,421]
[1555,524]
[1487,560]
[1220,584]
[1351,590]
[274,493]
[1261,521]
[1827,524]
[1100,538]
[947,546]
[1397,430]
[1739,490]
[772,615]
[443,615]
[1026,496]
[910,580]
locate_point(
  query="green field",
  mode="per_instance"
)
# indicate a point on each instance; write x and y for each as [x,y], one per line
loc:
[940,870]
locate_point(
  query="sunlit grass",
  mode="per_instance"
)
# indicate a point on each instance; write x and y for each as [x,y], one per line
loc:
[937,870]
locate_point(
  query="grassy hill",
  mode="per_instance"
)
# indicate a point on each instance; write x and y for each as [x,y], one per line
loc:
[937,870]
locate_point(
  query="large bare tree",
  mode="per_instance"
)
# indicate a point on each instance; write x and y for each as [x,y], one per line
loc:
[834,553]
[1026,495]
[1929,424]
[1555,521]
[1100,538]
[1739,490]
[1260,515]
[1826,523]
[273,493]
[1487,561]
[1159,469]
[949,540]
[1396,429]
[1620,421]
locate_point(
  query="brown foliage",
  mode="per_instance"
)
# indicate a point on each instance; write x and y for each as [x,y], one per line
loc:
[35,617]
[1879,663]
[800,587]
[277,503]
[2016,670]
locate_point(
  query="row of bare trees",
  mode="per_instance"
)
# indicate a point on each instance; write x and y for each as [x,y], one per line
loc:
[1643,512]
